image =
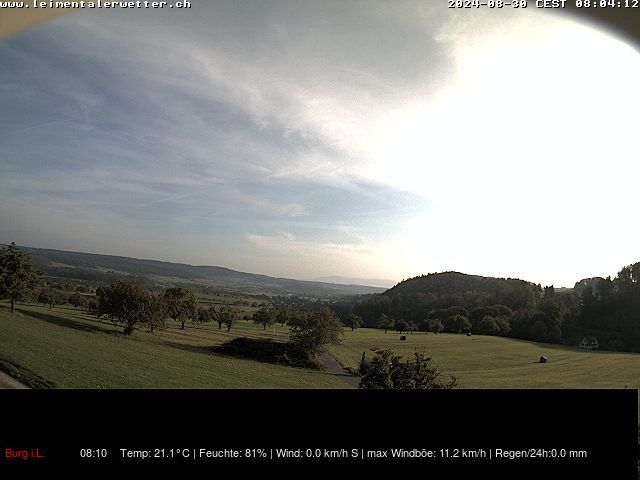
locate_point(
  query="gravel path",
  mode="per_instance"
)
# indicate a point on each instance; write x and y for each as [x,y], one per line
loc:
[9,382]
[334,368]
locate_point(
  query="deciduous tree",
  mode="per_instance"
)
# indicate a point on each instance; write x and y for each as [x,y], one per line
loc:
[384,322]
[204,315]
[18,278]
[265,317]
[312,333]
[354,321]
[181,305]
[77,300]
[229,319]
[221,315]
[435,326]
[127,302]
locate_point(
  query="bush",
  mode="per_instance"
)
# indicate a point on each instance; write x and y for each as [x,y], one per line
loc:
[266,350]
[388,371]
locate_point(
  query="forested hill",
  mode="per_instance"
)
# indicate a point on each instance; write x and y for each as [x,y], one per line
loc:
[471,288]
[604,309]
[412,299]
[95,268]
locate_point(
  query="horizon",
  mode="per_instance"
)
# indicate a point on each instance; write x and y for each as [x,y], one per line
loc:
[394,282]
[360,140]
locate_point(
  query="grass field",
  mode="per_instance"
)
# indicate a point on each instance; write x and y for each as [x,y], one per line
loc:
[65,349]
[494,362]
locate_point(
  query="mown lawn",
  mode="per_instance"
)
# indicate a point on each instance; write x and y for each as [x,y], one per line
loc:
[63,348]
[494,362]
[66,349]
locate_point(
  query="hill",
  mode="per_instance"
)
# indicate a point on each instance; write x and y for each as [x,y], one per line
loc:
[411,299]
[96,268]
[605,308]
[452,283]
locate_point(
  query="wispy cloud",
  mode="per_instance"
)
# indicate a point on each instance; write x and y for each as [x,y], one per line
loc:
[401,125]
[270,208]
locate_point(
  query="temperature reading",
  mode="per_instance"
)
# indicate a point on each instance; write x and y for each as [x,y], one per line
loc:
[171,452]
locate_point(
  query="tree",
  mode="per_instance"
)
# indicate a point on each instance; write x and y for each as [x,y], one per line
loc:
[456,324]
[128,302]
[283,317]
[221,315]
[204,315]
[181,305]
[43,298]
[56,299]
[401,325]
[605,289]
[446,313]
[388,371]
[296,317]
[549,292]
[312,333]
[587,298]
[538,330]
[18,278]
[229,318]
[504,326]
[435,326]
[354,321]
[495,311]
[91,306]
[385,322]
[488,326]
[155,313]
[265,317]
[77,300]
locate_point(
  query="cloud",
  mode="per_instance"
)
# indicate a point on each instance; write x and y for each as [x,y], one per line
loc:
[270,208]
[351,125]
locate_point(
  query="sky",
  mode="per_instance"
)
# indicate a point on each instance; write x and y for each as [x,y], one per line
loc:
[302,139]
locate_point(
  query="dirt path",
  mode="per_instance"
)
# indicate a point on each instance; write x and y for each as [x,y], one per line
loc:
[9,382]
[333,367]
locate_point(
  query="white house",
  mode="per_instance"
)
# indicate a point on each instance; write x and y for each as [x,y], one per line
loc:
[589,343]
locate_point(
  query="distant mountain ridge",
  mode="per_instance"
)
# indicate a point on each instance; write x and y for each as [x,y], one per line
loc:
[104,268]
[373,282]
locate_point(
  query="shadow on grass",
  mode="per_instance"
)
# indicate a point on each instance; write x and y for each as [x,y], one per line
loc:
[189,348]
[260,350]
[66,322]
[24,375]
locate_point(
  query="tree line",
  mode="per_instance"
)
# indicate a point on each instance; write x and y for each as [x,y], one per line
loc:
[456,303]
[610,309]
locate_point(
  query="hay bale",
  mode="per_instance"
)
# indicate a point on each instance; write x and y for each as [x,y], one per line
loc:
[403,337]
[543,359]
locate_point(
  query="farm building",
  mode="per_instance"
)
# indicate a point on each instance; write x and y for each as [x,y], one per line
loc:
[589,343]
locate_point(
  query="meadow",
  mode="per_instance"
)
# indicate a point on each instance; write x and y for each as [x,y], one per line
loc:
[65,348]
[482,361]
